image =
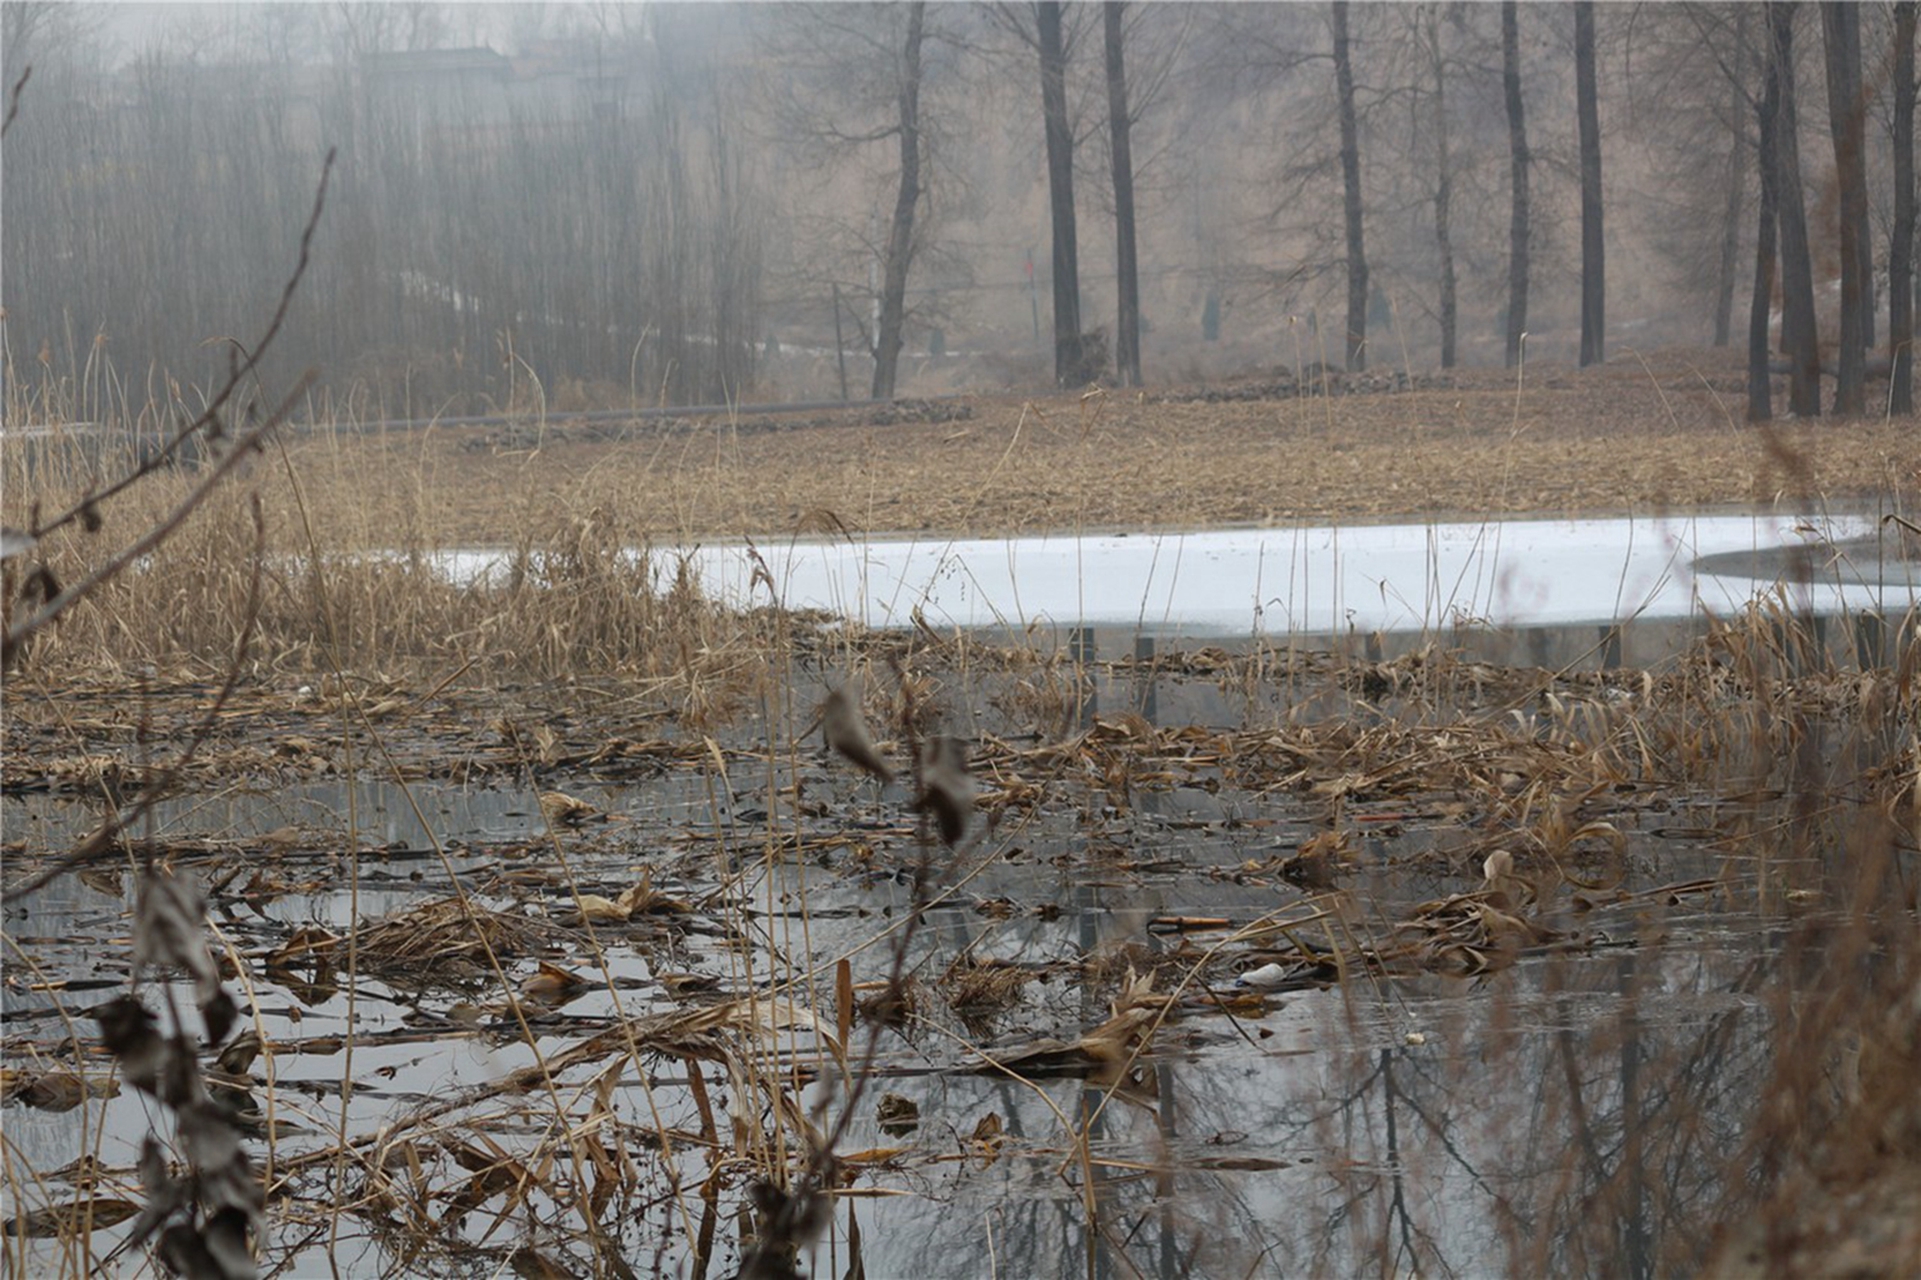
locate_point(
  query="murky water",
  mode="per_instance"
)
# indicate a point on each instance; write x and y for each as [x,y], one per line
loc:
[1392,1121]
[1556,1112]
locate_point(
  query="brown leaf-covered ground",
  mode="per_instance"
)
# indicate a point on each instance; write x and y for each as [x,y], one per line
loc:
[1663,433]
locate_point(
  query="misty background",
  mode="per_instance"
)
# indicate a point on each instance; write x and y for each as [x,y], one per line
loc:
[584,206]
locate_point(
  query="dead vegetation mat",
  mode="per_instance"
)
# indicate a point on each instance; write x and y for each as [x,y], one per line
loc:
[1632,436]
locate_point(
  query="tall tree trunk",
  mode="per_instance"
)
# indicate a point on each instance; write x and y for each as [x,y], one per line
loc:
[1847,123]
[1760,349]
[1127,331]
[1517,223]
[1737,189]
[900,234]
[1351,190]
[1060,192]
[1901,249]
[1443,190]
[1797,270]
[1593,246]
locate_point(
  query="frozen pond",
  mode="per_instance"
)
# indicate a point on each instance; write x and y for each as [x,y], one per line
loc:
[1328,580]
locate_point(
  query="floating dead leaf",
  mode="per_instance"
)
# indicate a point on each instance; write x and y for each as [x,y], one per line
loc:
[599,910]
[988,1138]
[874,1156]
[1138,1009]
[551,984]
[1188,924]
[1250,1002]
[237,1057]
[563,810]
[1240,1164]
[644,899]
[71,1218]
[104,880]
[681,985]
[897,1114]
[58,1091]
[844,999]
[308,940]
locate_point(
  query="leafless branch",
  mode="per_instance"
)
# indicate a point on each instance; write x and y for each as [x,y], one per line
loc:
[13,101]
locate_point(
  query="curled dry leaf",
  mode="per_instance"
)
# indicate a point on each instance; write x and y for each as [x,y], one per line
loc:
[552,984]
[598,910]
[947,792]
[58,1091]
[167,933]
[845,732]
[642,899]
[988,1138]
[70,1219]
[563,810]
[897,1114]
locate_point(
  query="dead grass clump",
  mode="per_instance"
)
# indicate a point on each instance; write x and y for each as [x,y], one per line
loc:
[974,986]
[353,587]
[447,937]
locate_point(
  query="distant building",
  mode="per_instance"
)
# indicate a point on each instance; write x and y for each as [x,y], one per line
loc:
[480,94]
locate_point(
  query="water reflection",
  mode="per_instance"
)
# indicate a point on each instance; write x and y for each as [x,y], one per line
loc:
[1571,1117]
[1572,1113]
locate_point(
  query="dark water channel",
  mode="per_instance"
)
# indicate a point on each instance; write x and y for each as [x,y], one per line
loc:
[1575,1109]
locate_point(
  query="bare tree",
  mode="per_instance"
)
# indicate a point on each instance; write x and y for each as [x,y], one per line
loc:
[1797,272]
[362,28]
[1901,235]
[1443,181]
[1736,191]
[1760,307]
[1127,332]
[1518,160]
[1051,42]
[1593,242]
[854,115]
[900,236]
[1847,123]
[1351,193]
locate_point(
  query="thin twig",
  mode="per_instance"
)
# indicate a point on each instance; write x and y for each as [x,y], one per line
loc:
[13,101]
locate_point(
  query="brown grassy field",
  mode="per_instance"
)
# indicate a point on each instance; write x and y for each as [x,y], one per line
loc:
[1665,434]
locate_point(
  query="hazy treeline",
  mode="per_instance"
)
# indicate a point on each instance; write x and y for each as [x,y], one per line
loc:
[583,206]
[468,256]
